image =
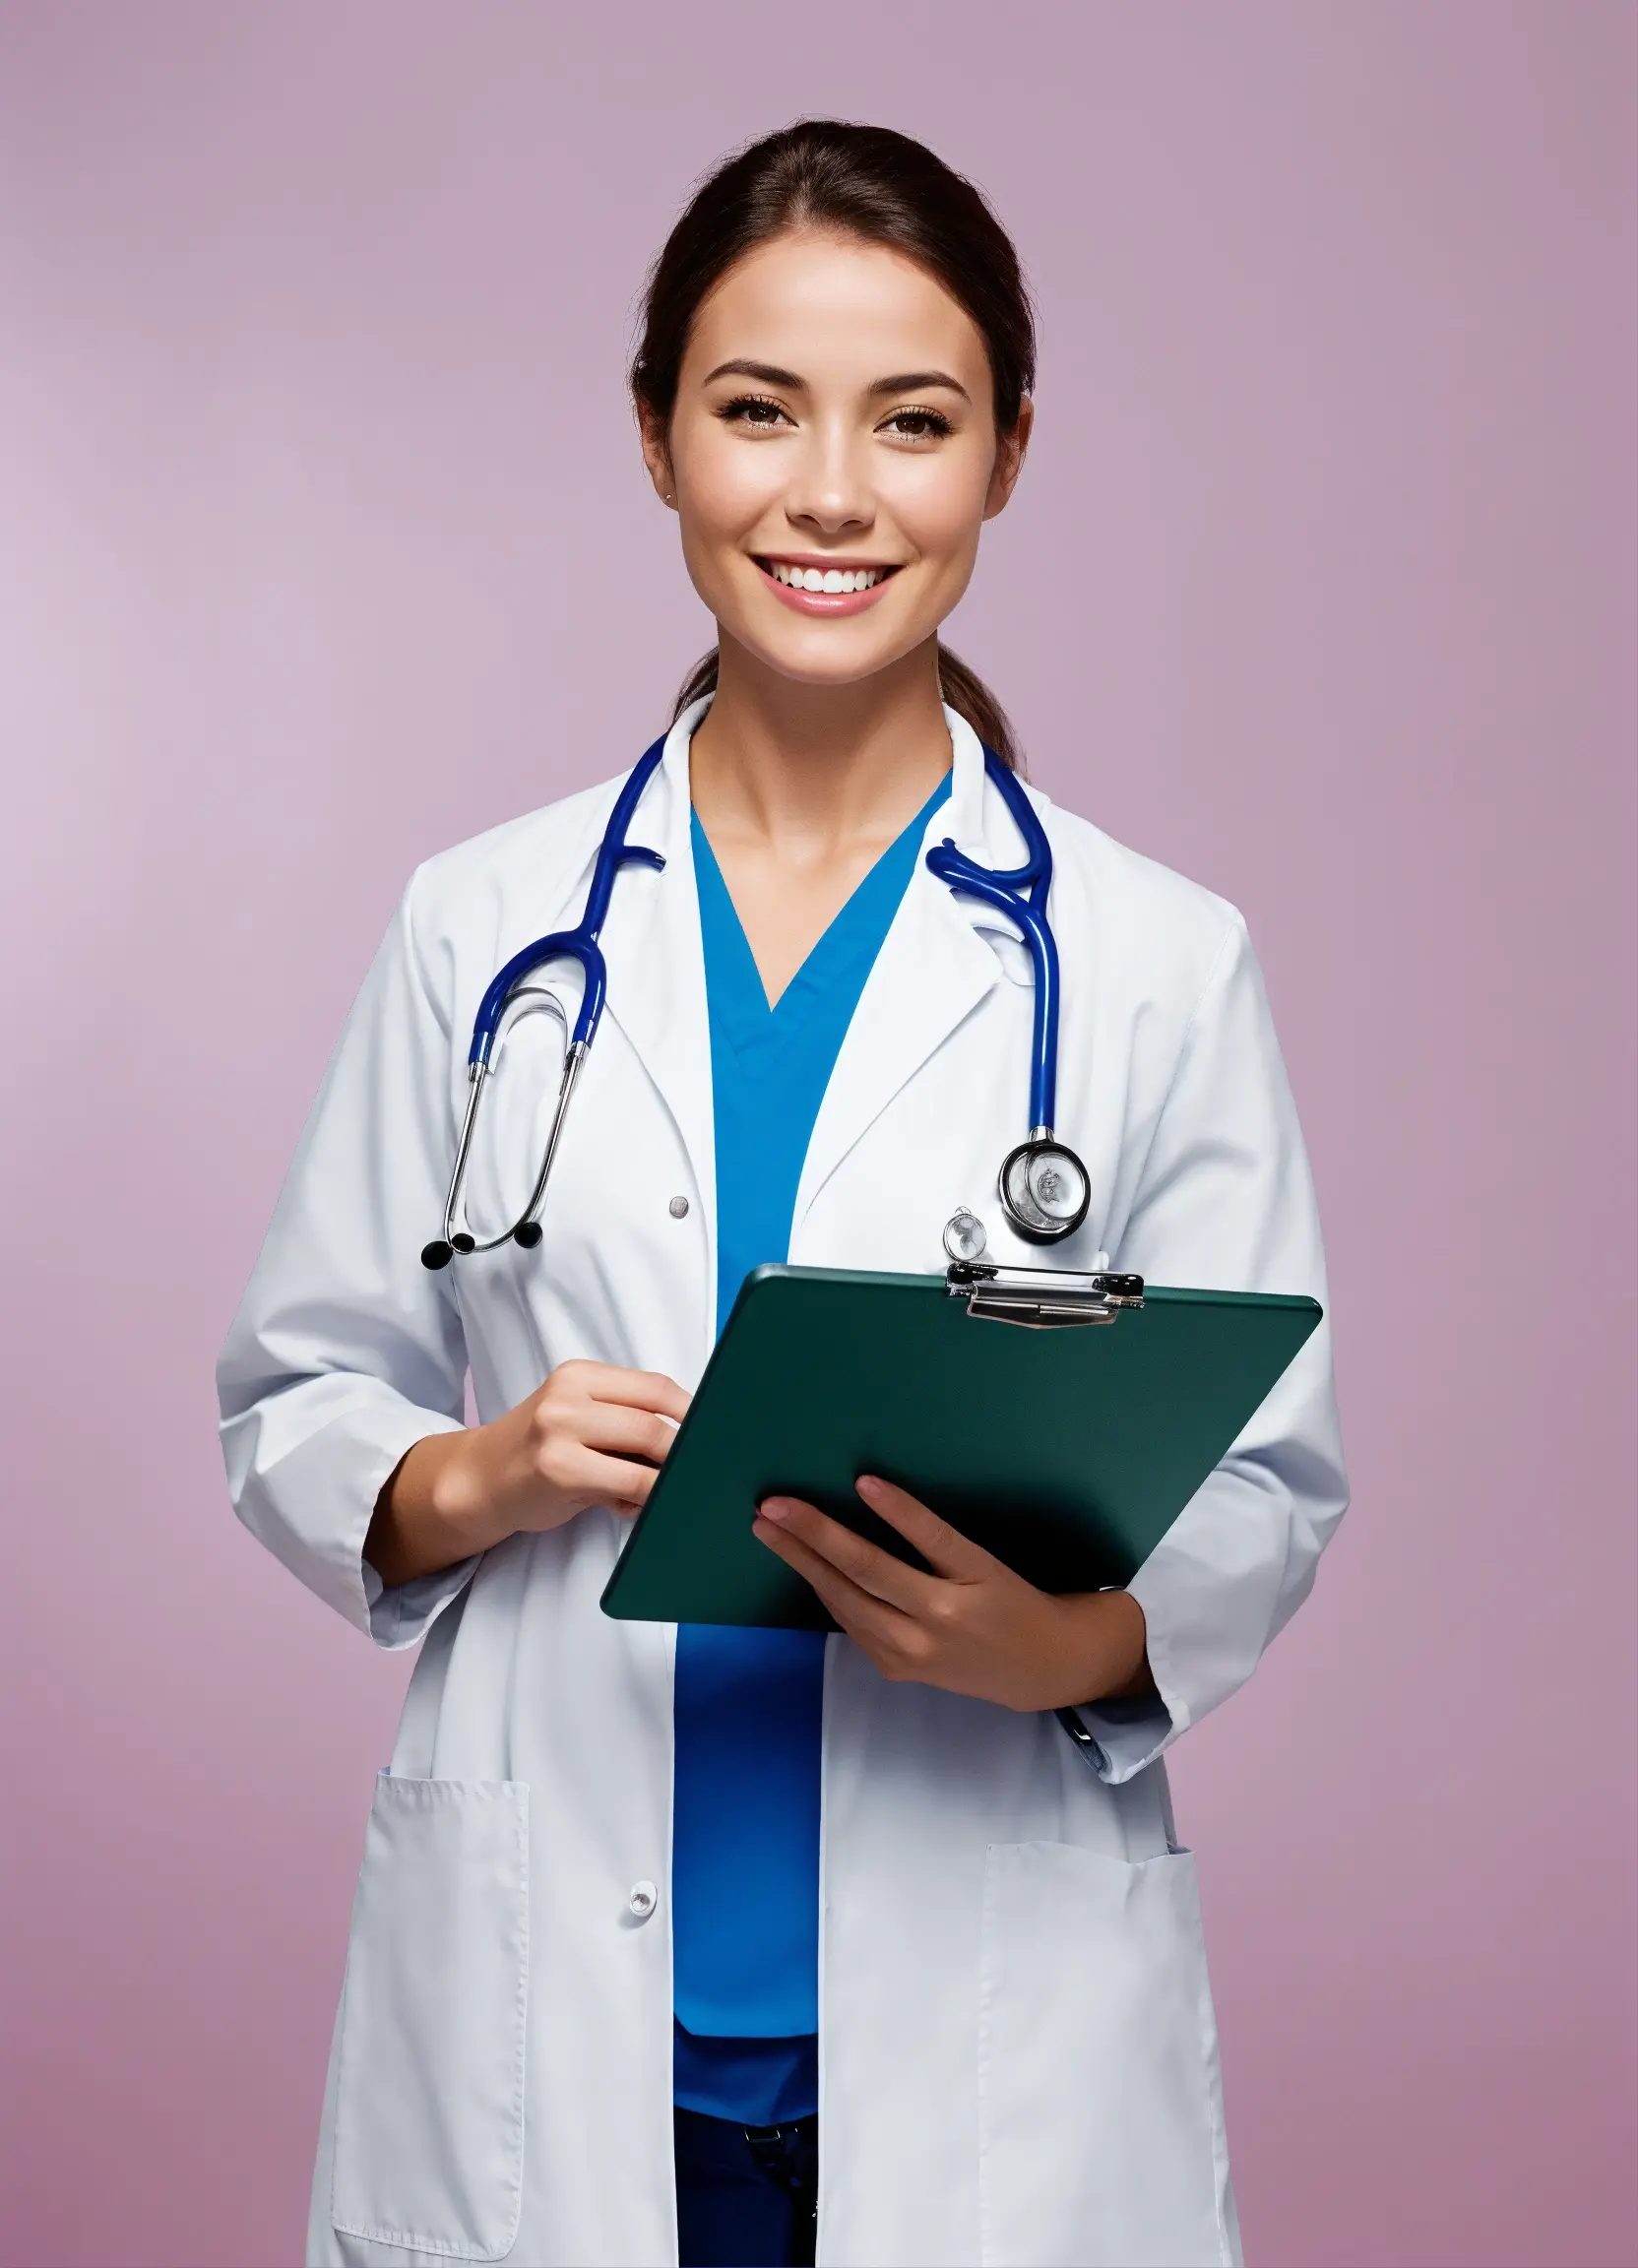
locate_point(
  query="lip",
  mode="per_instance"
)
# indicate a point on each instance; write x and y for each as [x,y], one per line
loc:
[824,601]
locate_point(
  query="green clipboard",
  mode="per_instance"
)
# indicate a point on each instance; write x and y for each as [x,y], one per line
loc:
[1068,1452]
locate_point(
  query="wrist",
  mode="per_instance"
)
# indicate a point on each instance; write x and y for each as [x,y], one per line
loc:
[459,1494]
[1109,1651]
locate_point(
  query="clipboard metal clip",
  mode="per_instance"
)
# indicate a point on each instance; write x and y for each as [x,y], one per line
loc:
[1039,1299]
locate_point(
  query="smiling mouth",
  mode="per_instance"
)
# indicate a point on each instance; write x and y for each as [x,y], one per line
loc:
[830,581]
[815,587]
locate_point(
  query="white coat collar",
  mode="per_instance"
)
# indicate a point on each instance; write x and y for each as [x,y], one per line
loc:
[931,973]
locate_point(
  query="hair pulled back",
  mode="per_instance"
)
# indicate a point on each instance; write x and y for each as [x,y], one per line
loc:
[883,188]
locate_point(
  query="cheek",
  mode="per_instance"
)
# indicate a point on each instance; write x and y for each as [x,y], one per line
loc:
[722,487]
[940,506]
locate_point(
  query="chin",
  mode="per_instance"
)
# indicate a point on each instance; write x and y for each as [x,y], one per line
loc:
[826,654]
[829,670]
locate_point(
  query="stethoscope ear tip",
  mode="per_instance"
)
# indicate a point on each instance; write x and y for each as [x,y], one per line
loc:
[437,1254]
[528,1233]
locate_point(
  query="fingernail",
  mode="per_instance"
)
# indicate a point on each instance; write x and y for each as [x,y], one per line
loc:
[775,1508]
[866,1484]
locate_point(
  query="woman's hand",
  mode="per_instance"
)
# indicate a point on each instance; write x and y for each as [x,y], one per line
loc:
[592,1434]
[971,1627]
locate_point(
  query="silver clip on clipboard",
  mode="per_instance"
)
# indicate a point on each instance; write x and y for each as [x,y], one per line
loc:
[1041,1298]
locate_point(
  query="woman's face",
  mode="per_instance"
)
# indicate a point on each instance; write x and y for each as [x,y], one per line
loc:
[833,423]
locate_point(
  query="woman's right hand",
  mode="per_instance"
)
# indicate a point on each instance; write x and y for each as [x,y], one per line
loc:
[592,1434]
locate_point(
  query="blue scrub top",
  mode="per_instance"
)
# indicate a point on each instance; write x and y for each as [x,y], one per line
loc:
[745,1833]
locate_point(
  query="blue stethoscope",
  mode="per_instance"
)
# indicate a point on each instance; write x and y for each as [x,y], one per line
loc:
[1043,1185]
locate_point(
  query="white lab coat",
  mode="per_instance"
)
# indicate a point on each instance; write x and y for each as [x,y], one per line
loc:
[1018,2055]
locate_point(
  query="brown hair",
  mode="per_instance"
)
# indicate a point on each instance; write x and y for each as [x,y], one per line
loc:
[882,187]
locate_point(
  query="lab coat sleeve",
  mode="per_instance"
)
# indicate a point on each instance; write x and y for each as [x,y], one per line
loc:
[346,1351]
[1225,1201]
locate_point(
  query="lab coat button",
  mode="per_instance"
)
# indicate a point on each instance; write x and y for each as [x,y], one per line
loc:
[679,1208]
[643,1899]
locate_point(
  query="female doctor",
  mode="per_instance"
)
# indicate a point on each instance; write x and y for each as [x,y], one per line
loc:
[717,1945]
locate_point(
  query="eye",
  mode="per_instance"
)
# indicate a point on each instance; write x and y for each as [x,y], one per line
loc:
[918,425]
[757,412]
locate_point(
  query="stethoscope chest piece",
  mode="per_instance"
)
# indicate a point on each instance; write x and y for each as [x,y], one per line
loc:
[1044,1188]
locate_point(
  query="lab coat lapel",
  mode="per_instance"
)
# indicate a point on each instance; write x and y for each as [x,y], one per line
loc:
[656,962]
[933,970]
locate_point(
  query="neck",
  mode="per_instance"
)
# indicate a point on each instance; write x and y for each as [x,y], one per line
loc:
[783,762]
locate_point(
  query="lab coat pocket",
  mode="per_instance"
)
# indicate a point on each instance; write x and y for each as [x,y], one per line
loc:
[429,2086]
[1101,2109]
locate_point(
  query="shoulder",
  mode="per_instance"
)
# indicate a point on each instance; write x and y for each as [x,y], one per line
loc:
[1156,922]
[534,860]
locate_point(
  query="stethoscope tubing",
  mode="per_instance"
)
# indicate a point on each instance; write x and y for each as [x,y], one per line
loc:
[580,943]
[1020,893]
[564,945]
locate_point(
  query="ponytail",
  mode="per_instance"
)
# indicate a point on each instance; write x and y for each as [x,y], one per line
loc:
[970,697]
[963,689]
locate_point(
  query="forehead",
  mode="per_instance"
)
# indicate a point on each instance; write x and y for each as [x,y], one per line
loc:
[832,308]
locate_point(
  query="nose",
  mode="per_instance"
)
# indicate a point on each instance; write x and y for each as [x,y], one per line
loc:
[831,490]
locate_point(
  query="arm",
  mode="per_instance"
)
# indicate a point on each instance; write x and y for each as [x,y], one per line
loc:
[343,1379]
[345,1351]
[1223,1198]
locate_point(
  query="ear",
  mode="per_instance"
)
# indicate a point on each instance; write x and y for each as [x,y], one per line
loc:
[656,456]
[1009,460]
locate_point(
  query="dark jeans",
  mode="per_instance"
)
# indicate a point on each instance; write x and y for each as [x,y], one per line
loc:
[747,2196]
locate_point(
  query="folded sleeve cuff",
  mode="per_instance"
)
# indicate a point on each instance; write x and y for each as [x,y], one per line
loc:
[402,1615]
[1121,1738]
[399,1616]
[308,1490]
[1118,1745]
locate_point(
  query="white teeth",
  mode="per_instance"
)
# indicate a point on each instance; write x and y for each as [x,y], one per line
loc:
[833,580]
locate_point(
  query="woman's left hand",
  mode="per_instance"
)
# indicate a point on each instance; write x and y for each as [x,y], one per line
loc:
[971,1627]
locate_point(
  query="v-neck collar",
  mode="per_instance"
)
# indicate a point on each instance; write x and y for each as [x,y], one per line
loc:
[753,1015]
[931,973]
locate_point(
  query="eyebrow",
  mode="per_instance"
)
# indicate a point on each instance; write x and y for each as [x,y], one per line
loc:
[902,380]
[916,381]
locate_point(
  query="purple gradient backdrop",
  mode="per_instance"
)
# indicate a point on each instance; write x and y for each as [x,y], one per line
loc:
[325,542]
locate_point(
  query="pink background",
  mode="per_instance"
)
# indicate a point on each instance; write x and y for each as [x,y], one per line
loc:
[325,542]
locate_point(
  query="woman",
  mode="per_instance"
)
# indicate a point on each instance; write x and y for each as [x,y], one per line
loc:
[664,1937]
